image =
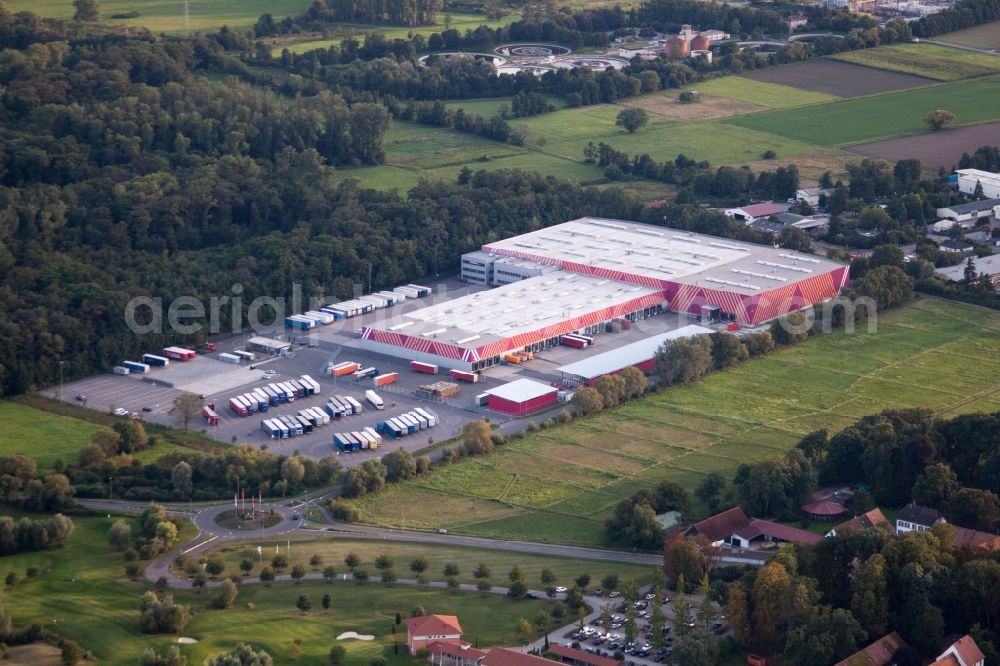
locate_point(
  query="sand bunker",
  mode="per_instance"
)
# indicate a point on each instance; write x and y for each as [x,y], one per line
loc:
[187,640]
[355,635]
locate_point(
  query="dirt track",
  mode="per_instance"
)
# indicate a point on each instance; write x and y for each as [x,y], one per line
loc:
[933,149]
[834,77]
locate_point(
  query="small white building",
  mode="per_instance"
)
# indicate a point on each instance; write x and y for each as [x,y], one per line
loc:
[957,246]
[970,212]
[969,178]
[811,195]
[913,518]
[753,212]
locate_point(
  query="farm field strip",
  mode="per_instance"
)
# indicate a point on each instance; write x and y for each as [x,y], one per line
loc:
[985,36]
[834,77]
[933,61]
[762,93]
[168,16]
[684,432]
[893,114]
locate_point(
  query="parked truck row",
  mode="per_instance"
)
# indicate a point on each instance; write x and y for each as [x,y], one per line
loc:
[354,307]
[339,406]
[408,423]
[263,397]
[301,423]
[348,442]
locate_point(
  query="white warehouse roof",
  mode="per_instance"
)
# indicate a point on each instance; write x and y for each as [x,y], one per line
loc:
[637,352]
[520,307]
[521,390]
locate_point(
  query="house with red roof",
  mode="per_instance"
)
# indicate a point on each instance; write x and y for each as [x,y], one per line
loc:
[454,653]
[974,539]
[880,653]
[865,521]
[735,528]
[824,510]
[753,212]
[423,630]
[963,652]
[501,656]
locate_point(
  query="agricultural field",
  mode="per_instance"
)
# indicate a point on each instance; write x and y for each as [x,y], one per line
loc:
[981,37]
[837,78]
[559,484]
[168,15]
[762,93]
[942,63]
[568,132]
[880,117]
[460,21]
[83,595]
[933,149]
[43,436]
[334,550]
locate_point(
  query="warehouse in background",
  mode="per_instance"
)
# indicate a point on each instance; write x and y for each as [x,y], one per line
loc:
[576,277]
[639,354]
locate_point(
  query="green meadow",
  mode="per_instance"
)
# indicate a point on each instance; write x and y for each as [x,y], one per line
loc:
[561,483]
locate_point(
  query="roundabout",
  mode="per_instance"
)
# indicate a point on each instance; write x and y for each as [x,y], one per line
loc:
[225,521]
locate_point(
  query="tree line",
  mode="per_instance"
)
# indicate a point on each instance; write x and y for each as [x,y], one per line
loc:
[32,534]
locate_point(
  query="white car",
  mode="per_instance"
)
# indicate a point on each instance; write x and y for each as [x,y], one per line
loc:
[560,588]
[121,412]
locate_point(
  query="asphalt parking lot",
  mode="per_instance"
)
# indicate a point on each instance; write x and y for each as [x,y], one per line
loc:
[216,382]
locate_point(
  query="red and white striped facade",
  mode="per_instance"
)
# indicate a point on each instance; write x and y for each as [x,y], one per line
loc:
[679,271]
[681,296]
[497,347]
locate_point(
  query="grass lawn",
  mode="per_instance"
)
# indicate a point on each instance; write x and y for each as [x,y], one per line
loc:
[460,21]
[168,15]
[487,619]
[985,36]
[82,595]
[334,550]
[567,132]
[560,484]
[421,151]
[880,116]
[42,436]
[771,95]
[48,437]
[931,60]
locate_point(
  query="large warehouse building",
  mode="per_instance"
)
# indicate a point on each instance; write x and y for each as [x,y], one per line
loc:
[576,276]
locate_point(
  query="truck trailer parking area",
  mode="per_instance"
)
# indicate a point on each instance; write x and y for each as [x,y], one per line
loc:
[216,381]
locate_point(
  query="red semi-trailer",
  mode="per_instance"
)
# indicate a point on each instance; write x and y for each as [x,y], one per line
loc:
[464,376]
[428,368]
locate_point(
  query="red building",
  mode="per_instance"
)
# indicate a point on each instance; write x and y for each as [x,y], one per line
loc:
[425,629]
[522,397]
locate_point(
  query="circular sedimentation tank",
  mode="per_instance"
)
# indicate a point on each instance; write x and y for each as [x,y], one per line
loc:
[532,50]
[590,62]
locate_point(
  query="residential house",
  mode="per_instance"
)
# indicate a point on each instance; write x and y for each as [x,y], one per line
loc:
[811,195]
[880,653]
[913,518]
[795,21]
[426,629]
[753,212]
[866,521]
[963,537]
[963,652]
[734,528]
[955,245]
